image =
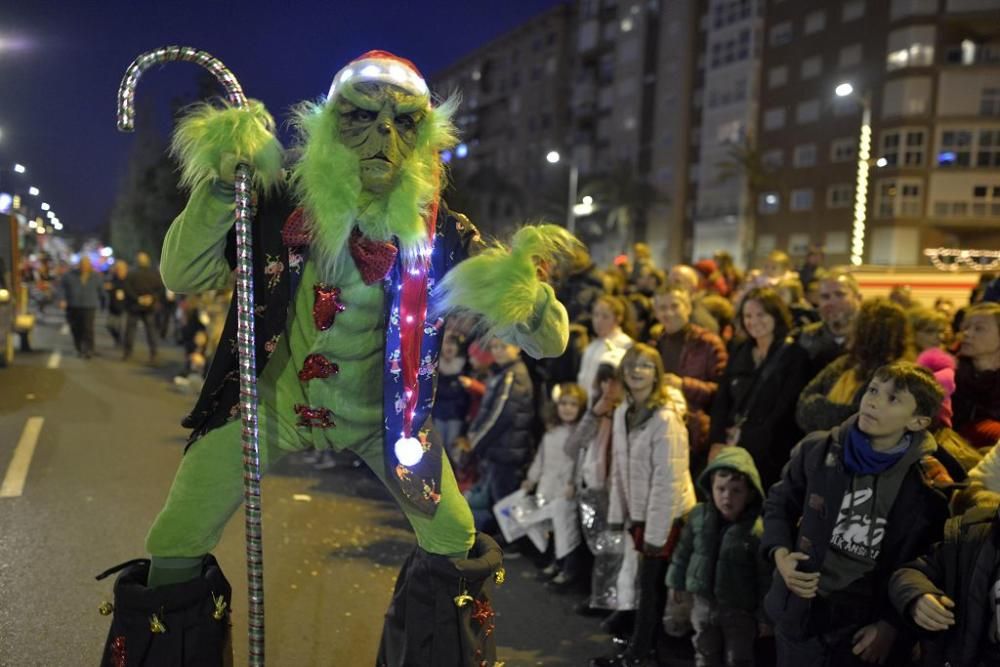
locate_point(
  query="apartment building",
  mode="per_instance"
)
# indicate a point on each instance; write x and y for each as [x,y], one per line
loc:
[515,108]
[929,73]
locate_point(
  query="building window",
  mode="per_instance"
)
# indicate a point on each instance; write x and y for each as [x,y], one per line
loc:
[906,96]
[985,201]
[903,148]
[769,203]
[850,56]
[802,199]
[910,47]
[955,148]
[730,50]
[773,158]
[843,149]
[780,34]
[902,8]
[810,67]
[815,22]
[777,76]
[774,118]
[804,155]
[899,198]
[840,195]
[852,10]
[807,112]
[988,150]
[989,102]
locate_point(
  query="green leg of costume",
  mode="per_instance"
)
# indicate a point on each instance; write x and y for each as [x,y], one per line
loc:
[208,489]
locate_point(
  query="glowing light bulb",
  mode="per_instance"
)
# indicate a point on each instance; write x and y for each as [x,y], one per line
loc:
[409,451]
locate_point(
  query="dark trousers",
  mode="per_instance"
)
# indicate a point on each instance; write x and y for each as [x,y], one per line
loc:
[116,325]
[81,325]
[148,324]
[652,601]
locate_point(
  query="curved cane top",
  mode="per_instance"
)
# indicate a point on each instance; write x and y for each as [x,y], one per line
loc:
[126,91]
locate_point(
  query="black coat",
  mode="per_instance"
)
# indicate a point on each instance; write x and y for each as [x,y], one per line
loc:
[964,567]
[502,430]
[142,282]
[801,511]
[765,398]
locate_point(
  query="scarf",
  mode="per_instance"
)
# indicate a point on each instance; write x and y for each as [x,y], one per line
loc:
[861,458]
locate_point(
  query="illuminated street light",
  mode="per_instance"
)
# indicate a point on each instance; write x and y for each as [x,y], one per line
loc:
[861,182]
[50,215]
[33,191]
[20,168]
[45,206]
[844,89]
[588,200]
[881,162]
[574,176]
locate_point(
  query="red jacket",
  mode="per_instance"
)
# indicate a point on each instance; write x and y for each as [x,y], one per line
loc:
[702,363]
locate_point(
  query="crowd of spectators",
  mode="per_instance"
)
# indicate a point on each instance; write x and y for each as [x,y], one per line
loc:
[769,465]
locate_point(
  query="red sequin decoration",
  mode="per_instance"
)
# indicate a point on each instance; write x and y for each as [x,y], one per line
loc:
[118,655]
[326,306]
[295,231]
[484,615]
[317,366]
[314,417]
[374,259]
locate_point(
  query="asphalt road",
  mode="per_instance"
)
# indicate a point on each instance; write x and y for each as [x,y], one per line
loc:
[108,444]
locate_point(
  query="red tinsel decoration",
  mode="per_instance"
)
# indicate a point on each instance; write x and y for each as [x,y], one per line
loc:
[314,417]
[326,306]
[317,366]
[119,657]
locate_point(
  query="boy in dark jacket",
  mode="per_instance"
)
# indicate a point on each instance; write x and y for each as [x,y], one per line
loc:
[717,560]
[952,592]
[501,434]
[852,506]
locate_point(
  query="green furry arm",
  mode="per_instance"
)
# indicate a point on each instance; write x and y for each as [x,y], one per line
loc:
[504,288]
[193,257]
[208,136]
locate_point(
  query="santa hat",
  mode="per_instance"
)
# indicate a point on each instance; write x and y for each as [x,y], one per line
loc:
[381,67]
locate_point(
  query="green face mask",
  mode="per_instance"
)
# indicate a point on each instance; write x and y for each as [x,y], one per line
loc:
[378,123]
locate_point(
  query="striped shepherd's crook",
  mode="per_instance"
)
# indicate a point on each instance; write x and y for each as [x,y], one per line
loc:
[245,331]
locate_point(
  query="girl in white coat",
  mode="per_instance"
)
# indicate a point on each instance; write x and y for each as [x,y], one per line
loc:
[650,486]
[550,478]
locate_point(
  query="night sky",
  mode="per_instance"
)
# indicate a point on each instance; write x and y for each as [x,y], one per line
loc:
[61,62]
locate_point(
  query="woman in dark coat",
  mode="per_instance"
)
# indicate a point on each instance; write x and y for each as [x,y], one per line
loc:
[755,404]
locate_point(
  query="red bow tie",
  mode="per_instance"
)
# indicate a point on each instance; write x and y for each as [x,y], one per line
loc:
[374,259]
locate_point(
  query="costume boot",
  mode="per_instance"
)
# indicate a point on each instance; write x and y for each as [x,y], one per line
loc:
[441,613]
[177,625]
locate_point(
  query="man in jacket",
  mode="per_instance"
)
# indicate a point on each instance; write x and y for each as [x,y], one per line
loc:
[852,506]
[952,591]
[694,360]
[143,288]
[839,301]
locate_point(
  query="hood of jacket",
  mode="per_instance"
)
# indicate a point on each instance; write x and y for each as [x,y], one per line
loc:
[733,458]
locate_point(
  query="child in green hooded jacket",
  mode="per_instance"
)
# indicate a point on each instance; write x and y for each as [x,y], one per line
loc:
[717,561]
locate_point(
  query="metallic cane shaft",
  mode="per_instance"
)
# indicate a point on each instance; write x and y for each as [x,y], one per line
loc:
[246,342]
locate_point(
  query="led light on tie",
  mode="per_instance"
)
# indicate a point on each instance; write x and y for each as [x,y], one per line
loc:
[409,451]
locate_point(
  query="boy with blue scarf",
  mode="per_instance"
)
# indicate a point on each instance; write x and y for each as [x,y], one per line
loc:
[853,505]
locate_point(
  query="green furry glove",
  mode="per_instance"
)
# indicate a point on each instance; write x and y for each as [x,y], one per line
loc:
[210,141]
[503,287]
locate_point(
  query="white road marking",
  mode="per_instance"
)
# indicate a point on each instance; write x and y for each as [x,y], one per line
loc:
[17,471]
[64,330]
[54,359]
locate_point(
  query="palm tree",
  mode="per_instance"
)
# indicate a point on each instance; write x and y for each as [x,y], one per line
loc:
[626,197]
[746,161]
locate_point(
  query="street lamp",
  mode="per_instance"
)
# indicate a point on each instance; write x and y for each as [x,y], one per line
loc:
[33,191]
[19,168]
[574,176]
[861,182]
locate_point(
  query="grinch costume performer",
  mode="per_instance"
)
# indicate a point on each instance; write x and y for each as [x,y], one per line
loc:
[356,262]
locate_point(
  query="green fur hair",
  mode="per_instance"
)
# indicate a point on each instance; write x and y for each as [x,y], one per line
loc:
[209,134]
[502,285]
[328,185]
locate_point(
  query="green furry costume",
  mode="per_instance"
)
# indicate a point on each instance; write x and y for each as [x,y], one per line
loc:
[368,171]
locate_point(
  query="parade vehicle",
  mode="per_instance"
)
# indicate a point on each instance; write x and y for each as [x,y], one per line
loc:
[951,276]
